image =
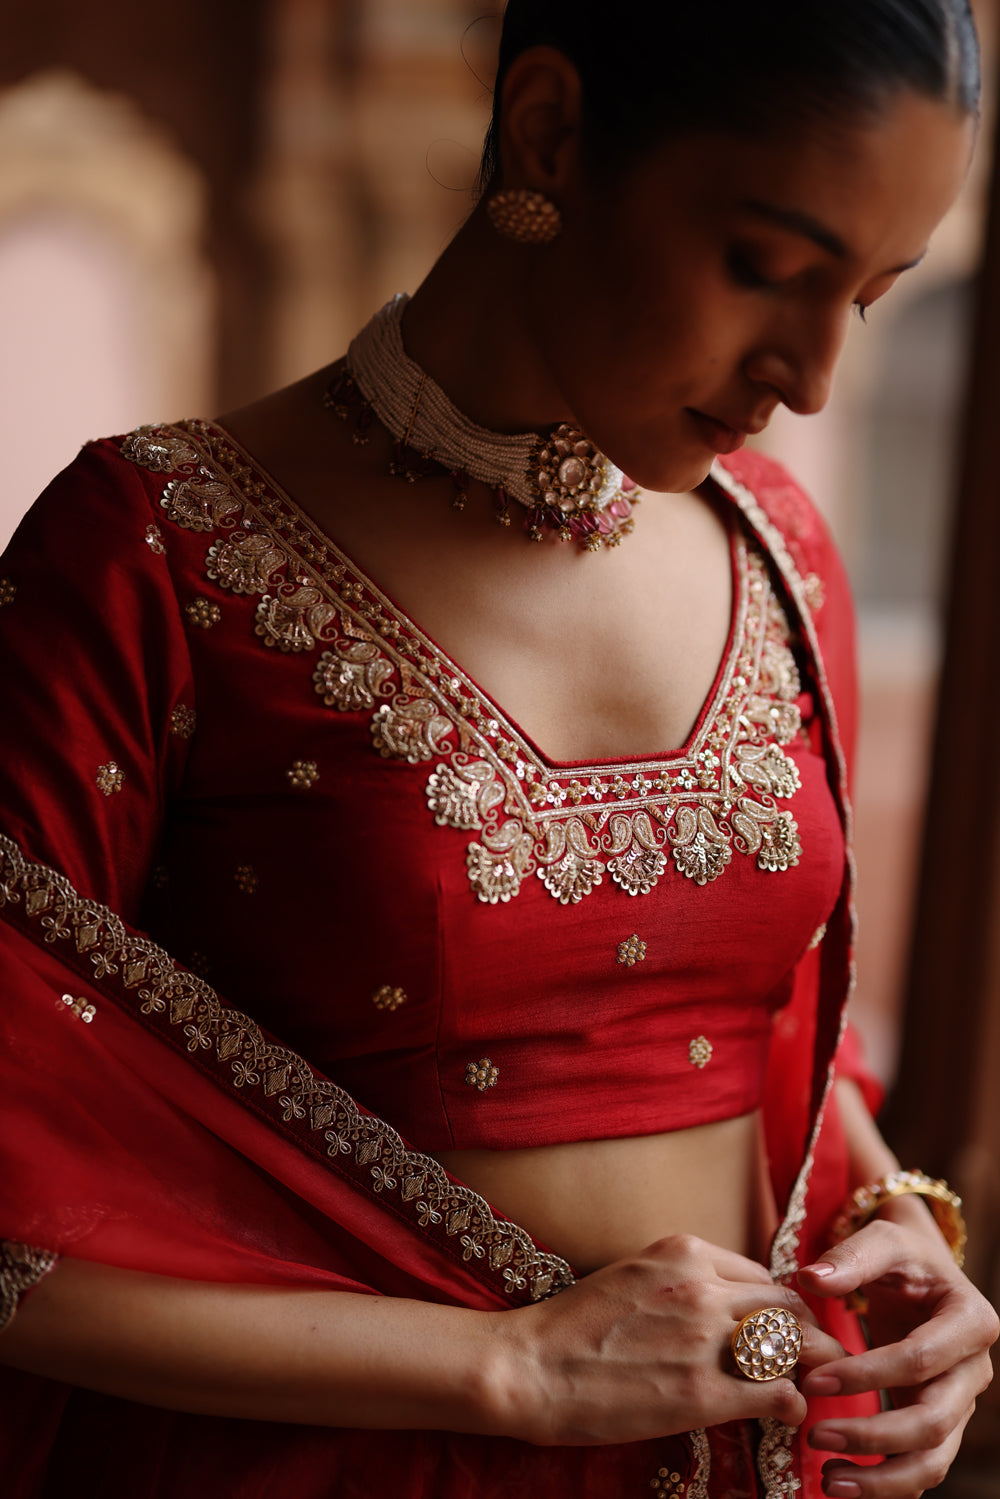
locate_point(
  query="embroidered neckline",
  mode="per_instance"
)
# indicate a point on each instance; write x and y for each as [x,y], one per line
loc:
[717,794]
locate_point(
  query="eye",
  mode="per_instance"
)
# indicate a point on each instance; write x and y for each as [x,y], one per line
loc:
[745,271]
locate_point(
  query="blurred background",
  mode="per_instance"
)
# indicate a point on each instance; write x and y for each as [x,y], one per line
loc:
[201,201]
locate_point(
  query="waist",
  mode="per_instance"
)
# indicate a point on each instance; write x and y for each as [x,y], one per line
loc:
[597,1201]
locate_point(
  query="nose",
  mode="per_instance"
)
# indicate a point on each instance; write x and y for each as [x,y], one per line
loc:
[798,360]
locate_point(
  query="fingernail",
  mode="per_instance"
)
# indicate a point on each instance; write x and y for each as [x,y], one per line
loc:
[843,1488]
[827,1441]
[821,1384]
[821,1268]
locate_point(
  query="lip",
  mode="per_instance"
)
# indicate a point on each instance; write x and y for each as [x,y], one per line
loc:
[720,436]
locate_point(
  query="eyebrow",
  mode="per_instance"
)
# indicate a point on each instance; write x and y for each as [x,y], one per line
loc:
[805,225]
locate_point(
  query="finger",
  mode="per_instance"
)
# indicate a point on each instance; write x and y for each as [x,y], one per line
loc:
[818,1347]
[896,1478]
[744,1300]
[729,1265]
[920,1357]
[736,1398]
[942,1408]
[881,1248]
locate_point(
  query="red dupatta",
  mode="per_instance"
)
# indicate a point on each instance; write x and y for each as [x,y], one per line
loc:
[151,1126]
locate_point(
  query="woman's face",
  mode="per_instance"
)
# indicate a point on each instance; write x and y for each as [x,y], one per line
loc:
[718,281]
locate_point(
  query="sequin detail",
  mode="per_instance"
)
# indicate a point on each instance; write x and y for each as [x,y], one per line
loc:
[8,592]
[700,1052]
[303,774]
[628,822]
[182,721]
[246,878]
[81,1008]
[110,778]
[203,613]
[631,951]
[389,998]
[482,1074]
[154,540]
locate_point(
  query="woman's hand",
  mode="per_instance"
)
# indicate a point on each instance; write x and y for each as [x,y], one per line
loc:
[931,1332]
[641,1349]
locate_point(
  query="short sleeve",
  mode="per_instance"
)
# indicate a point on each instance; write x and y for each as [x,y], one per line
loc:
[95,677]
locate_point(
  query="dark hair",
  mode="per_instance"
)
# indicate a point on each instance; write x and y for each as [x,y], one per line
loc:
[667,67]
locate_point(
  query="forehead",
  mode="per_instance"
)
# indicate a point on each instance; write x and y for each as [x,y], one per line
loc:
[879,185]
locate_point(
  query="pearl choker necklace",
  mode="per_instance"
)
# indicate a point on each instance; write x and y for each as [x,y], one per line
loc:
[561,480]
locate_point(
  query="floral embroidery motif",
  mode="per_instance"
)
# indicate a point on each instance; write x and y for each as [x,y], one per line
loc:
[632,950]
[110,778]
[303,774]
[182,721]
[700,1052]
[246,878]
[154,540]
[21,1268]
[388,998]
[283,1084]
[203,613]
[695,810]
[482,1074]
[8,592]
[81,1008]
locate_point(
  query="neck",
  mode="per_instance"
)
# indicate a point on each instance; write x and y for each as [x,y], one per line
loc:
[468,326]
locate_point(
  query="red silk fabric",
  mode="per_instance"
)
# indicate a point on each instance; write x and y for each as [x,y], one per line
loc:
[135,1139]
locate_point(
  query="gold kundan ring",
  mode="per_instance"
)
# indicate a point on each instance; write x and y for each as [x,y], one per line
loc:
[767,1344]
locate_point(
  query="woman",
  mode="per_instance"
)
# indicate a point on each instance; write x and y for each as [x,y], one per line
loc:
[591,981]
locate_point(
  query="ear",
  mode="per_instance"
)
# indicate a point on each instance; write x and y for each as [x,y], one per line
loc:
[540,120]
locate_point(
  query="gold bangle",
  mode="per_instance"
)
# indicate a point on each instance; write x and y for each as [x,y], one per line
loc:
[945,1204]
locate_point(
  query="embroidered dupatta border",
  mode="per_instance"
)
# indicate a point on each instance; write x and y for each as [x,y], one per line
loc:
[185,1011]
[776,1458]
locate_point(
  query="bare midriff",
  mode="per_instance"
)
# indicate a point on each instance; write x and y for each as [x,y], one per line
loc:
[596,1201]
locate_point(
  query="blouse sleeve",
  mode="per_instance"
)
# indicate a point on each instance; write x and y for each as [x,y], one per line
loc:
[94,668]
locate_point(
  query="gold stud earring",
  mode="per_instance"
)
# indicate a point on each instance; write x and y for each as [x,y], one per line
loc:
[525,216]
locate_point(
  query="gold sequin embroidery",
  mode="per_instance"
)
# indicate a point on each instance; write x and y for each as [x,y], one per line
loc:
[817,937]
[284,1086]
[303,774]
[8,591]
[246,878]
[700,1051]
[110,778]
[667,1485]
[388,998]
[182,721]
[21,1268]
[632,950]
[482,1074]
[203,613]
[154,540]
[628,822]
[81,1008]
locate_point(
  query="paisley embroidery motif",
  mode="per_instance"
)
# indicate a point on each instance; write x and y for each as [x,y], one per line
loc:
[694,808]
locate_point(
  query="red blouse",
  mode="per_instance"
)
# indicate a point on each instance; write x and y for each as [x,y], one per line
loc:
[313,806]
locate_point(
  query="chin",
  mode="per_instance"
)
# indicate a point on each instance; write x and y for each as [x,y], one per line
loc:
[672,475]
